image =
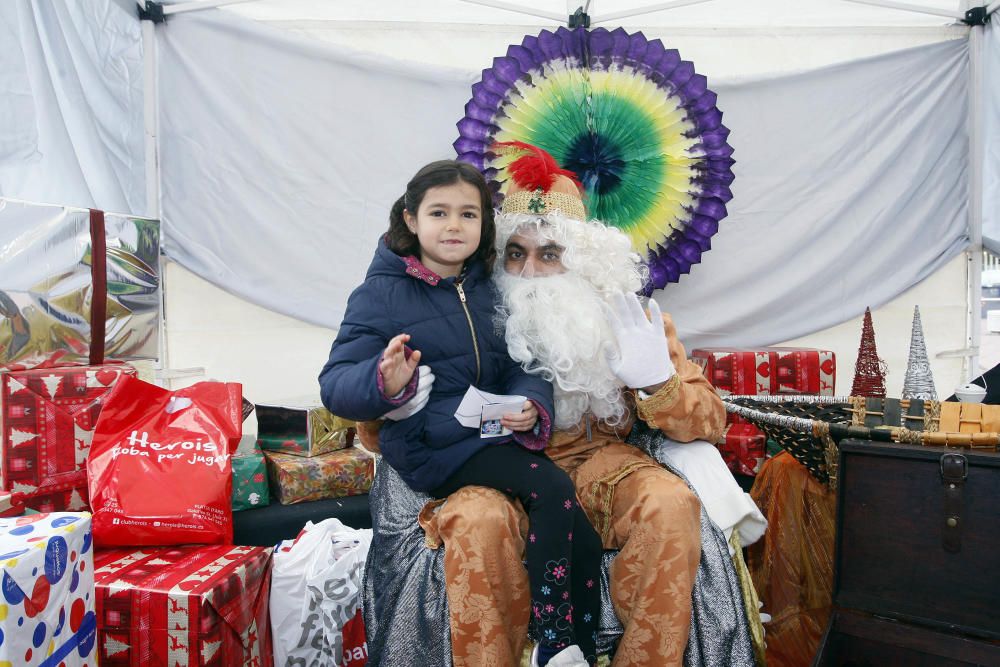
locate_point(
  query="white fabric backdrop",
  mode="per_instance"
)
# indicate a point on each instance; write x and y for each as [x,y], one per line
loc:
[851,180]
[851,186]
[281,157]
[71,127]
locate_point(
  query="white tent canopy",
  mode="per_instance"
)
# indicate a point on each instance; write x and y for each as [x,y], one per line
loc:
[731,42]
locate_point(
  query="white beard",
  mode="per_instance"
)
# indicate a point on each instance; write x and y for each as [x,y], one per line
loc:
[557,327]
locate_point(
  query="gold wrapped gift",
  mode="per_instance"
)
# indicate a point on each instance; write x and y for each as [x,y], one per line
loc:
[301,427]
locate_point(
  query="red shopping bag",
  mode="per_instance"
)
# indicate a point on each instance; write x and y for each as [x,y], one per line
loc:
[159,469]
[355,644]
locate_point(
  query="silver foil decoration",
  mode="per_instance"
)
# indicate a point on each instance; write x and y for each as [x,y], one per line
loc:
[789,398]
[919,381]
[46,289]
[784,421]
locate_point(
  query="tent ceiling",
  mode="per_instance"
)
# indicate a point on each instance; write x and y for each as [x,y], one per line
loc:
[717,13]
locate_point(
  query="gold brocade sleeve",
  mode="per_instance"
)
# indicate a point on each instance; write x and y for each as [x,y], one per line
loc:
[368,435]
[686,408]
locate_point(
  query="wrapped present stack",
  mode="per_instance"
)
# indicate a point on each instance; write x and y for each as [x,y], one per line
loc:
[758,372]
[76,286]
[310,454]
[79,297]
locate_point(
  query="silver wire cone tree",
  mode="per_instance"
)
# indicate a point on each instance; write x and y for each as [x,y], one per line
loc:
[919,381]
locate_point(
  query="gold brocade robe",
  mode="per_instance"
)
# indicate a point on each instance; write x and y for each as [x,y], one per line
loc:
[638,507]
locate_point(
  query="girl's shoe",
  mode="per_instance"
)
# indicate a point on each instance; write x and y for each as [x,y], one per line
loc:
[571,656]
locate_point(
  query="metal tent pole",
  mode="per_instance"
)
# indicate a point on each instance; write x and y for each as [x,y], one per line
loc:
[907,7]
[976,153]
[149,118]
[152,166]
[195,6]
[648,9]
[520,9]
[150,14]
[614,16]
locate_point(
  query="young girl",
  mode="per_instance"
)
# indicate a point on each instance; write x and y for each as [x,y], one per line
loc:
[428,301]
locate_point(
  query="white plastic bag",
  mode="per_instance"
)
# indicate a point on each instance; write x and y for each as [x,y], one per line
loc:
[315,593]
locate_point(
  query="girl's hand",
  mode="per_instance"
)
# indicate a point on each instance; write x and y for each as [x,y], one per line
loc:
[395,368]
[525,421]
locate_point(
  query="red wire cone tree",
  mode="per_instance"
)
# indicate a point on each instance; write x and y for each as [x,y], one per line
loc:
[869,369]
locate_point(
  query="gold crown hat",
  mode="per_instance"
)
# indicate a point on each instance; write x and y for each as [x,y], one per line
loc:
[536,184]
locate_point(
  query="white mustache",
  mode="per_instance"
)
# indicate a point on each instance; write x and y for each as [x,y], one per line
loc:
[556,327]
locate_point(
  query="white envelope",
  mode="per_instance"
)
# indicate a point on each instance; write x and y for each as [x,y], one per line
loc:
[480,407]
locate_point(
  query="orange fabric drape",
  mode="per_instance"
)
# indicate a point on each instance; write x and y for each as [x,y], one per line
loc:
[792,565]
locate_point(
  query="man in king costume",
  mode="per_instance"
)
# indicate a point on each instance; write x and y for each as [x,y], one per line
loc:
[570,314]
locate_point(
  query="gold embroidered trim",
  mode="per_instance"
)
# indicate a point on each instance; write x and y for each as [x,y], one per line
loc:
[831,452]
[428,521]
[601,496]
[534,203]
[751,602]
[664,398]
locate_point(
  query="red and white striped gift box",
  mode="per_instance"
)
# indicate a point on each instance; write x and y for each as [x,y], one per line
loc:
[184,606]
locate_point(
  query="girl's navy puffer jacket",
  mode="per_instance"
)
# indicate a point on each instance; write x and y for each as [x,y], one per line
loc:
[459,342]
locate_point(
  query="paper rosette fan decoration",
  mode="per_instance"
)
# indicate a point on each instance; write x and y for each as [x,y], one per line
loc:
[636,124]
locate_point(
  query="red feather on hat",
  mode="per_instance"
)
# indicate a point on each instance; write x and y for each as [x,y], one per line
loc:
[535,168]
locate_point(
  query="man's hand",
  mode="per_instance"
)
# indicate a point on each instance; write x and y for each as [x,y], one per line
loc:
[524,421]
[425,381]
[642,360]
[396,369]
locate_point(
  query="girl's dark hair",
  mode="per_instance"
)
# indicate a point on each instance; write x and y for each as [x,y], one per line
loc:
[403,242]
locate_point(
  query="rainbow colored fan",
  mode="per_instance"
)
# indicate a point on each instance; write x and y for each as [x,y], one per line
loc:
[635,122]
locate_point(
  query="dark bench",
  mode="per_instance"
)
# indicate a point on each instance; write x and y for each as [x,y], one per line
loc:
[269,525]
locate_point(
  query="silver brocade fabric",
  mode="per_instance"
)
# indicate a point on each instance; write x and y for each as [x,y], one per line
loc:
[46,289]
[405,603]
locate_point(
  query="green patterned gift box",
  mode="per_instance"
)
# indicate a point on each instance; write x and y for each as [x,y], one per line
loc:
[301,427]
[298,479]
[250,488]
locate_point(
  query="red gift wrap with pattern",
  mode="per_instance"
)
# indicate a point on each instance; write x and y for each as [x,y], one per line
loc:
[743,448]
[736,371]
[48,424]
[800,370]
[768,370]
[184,606]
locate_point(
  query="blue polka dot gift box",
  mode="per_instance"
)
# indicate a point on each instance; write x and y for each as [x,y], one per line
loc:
[47,614]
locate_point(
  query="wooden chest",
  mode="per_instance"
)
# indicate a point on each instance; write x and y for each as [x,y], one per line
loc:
[917,565]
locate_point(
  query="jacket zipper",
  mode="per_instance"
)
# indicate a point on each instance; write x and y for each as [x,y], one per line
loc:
[472,328]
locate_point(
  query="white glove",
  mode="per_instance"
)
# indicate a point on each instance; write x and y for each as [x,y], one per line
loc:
[425,380]
[642,358]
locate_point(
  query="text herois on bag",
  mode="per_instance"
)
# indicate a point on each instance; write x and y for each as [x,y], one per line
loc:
[140,445]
